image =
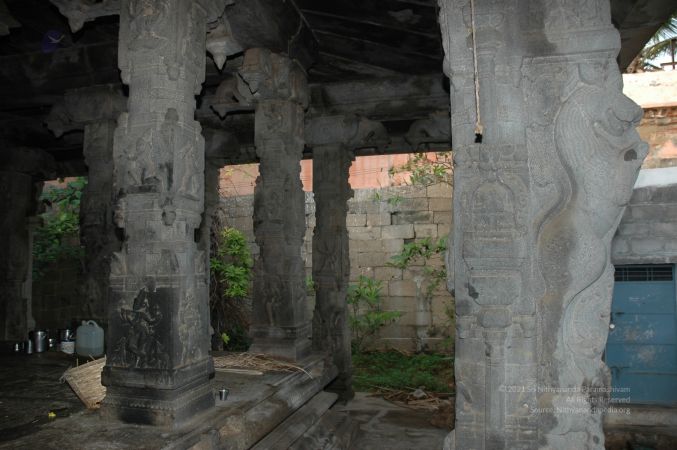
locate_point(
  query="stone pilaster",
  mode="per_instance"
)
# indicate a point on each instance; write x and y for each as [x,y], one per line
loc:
[279,89]
[333,140]
[95,111]
[21,173]
[536,204]
[158,366]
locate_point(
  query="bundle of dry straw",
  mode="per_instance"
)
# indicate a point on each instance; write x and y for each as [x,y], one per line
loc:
[255,362]
[85,380]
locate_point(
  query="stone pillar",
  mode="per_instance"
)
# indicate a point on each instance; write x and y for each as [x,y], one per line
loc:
[333,140]
[158,366]
[21,170]
[536,204]
[95,110]
[279,89]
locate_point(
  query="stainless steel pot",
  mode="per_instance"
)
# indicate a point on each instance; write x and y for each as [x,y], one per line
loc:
[66,335]
[40,343]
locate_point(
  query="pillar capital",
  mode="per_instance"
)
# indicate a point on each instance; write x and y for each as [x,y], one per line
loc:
[80,107]
[349,131]
[271,76]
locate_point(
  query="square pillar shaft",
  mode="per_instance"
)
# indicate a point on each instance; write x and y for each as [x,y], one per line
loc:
[279,324]
[158,365]
[331,262]
[537,199]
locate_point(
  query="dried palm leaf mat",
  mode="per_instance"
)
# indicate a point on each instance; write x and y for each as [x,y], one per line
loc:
[254,364]
[85,380]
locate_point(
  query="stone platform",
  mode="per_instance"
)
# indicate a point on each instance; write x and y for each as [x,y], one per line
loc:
[256,405]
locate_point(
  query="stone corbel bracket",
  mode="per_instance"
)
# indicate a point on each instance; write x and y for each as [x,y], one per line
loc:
[267,75]
[80,11]
[232,95]
[221,42]
[87,105]
[353,132]
[436,129]
[6,20]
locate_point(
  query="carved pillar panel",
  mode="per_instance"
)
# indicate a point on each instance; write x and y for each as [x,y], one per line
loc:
[21,172]
[158,366]
[536,204]
[278,86]
[94,110]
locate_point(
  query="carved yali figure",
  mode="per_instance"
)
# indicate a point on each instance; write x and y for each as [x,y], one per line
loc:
[601,153]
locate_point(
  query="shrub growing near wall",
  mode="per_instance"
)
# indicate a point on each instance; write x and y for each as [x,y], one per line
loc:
[57,238]
[231,272]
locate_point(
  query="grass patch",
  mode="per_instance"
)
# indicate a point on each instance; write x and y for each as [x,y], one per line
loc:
[376,371]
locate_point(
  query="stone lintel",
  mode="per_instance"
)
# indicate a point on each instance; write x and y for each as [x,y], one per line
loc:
[349,131]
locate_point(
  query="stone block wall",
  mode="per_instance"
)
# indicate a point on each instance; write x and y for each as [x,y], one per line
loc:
[380,222]
[647,233]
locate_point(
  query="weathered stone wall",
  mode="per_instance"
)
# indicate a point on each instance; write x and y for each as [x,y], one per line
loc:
[647,233]
[380,222]
[58,298]
[659,129]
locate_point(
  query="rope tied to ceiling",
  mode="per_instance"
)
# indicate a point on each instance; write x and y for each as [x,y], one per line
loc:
[479,128]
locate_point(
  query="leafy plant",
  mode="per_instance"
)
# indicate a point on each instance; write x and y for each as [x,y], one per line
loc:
[395,200]
[310,285]
[426,169]
[231,272]
[367,317]
[393,370]
[421,251]
[57,238]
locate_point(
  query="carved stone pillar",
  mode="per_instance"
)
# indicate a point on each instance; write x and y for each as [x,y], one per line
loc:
[21,172]
[94,110]
[333,140]
[536,204]
[279,89]
[158,366]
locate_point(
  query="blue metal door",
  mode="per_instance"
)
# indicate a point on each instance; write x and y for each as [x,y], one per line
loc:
[642,347]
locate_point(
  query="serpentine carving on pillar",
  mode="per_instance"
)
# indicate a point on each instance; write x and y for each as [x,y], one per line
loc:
[536,204]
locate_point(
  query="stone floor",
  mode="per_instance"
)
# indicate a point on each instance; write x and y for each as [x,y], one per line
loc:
[384,425]
[30,389]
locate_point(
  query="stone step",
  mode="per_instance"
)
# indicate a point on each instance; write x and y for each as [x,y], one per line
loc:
[294,427]
[242,428]
[334,431]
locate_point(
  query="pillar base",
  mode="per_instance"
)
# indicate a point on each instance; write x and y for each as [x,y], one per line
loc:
[172,409]
[289,343]
[157,397]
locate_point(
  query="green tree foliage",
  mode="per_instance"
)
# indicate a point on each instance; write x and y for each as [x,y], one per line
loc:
[427,169]
[231,272]
[417,255]
[57,238]
[659,45]
[367,317]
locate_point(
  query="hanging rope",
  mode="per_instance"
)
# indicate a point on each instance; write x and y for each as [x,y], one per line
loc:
[479,128]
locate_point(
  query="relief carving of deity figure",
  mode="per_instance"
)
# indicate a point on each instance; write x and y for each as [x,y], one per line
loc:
[147,19]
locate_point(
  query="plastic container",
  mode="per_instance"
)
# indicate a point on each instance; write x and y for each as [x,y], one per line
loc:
[89,339]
